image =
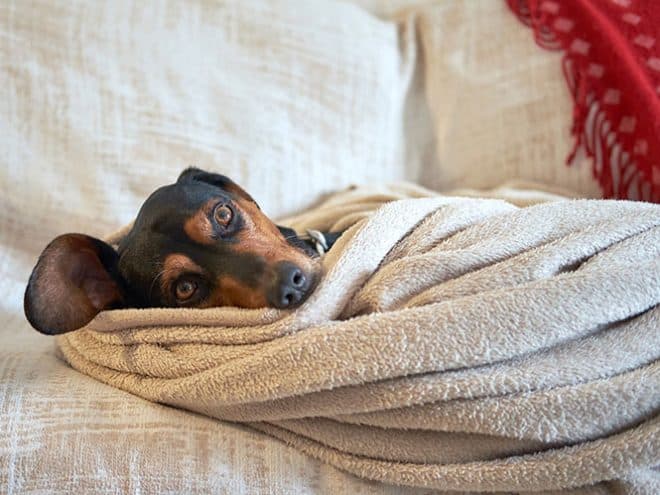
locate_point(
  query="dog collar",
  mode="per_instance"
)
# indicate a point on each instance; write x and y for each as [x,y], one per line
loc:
[318,240]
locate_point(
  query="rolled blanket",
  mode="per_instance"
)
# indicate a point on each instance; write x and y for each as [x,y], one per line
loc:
[453,343]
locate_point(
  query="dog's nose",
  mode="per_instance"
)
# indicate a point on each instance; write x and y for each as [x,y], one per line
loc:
[291,286]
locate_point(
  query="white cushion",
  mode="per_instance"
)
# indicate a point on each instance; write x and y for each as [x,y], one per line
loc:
[106,103]
[499,104]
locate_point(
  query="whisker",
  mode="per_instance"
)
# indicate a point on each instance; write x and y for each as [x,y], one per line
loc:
[153,282]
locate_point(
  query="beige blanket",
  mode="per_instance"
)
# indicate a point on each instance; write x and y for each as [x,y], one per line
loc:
[454,343]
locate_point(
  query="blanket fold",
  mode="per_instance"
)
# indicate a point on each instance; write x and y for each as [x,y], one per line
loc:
[453,343]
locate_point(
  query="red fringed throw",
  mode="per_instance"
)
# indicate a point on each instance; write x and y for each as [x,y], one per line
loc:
[612,66]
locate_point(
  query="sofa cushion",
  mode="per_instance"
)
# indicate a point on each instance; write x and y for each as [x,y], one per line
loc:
[499,104]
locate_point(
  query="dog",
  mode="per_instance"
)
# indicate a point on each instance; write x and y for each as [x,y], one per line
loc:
[198,243]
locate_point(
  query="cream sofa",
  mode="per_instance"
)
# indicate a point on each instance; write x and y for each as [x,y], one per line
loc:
[102,103]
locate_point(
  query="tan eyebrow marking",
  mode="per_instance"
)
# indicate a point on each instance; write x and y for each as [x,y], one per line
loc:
[198,227]
[175,264]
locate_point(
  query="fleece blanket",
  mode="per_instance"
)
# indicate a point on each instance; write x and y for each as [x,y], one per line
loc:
[453,343]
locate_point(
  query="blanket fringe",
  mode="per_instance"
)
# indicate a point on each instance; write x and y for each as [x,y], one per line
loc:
[617,163]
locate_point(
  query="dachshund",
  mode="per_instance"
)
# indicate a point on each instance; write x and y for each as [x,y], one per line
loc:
[198,243]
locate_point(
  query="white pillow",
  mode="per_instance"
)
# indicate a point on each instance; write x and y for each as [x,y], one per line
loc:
[107,101]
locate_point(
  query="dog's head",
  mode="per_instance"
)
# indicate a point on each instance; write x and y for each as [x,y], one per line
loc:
[201,242]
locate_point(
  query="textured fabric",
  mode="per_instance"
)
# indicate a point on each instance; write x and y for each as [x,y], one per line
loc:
[453,343]
[100,103]
[63,433]
[498,105]
[612,64]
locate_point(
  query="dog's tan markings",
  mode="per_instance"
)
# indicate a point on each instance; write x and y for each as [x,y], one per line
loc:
[261,237]
[231,292]
[199,227]
[174,266]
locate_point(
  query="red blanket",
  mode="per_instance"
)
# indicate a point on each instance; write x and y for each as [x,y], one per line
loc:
[612,65]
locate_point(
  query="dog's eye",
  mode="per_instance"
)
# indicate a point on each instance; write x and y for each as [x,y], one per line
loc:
[223,214]
[185,289]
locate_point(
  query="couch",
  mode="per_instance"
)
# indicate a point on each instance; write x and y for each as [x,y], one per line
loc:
[102,103]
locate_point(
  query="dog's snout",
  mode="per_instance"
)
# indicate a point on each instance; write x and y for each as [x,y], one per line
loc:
[291,287]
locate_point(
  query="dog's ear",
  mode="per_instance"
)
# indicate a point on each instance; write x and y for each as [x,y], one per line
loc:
[222,181]
[75,278]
